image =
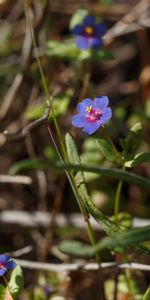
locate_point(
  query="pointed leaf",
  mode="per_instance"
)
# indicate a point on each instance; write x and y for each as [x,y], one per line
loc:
[75,248]
[139,158]
[109,151]
[147,294]
[132,141]
[16,282]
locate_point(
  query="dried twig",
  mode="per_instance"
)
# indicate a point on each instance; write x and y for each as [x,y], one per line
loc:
[75,266]
[18,136]
[19,179]
[44,219]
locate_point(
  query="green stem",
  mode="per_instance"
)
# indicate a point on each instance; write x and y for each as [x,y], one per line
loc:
[45,87]
[117,200]
[49,99]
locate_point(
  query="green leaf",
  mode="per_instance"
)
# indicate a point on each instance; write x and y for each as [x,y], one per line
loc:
[68,50]
[132,141]
[147,294]
[75,248]
[35,112]
[60,105]
[78,17]
[109,151]
[139,158]
[95,55]
[59,166]
[16,282]
[133,236]
[73,155]
[2,291]
[125,220]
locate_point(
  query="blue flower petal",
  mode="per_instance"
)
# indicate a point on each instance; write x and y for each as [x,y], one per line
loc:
[81,107]
[78,121]
[78,30]
[4,258]
[2,271]
[10,265]
[90,128]
[107,114]
[101,102]
[94,42]
[82,43]
[100,29]
[89,21]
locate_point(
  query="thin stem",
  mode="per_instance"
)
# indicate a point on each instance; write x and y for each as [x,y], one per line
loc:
[45,87]
[117,200]
[63,149]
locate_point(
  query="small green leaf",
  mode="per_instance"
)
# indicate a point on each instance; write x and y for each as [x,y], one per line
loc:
[75,248]
[16,282]
[147,294]
[128,238]
[78,17]
[60,105]
[109,151]
[132,141]
[35,112]
[139,158]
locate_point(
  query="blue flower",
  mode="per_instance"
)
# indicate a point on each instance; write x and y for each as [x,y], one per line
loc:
[6,263]
[89,33]
[92,114]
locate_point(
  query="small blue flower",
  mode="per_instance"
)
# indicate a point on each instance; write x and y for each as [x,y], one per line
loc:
[92,114]
[6,264]
[89,33]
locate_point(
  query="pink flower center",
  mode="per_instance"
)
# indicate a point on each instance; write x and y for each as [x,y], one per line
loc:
[93,115]
[2,265]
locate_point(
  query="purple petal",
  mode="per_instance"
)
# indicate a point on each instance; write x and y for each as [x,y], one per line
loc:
[11,265]
[4,258]
[78,121]
[81,107]
[2,271]
[100,29]
[78,30]
[89,21]
[82,43]
[107,113]
[101,102]
[94,42]
[90,128]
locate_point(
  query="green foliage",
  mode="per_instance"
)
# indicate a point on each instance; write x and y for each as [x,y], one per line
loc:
[109,151]
[60,106]
[59,166]
[68,50]
[2,292]
[128,238]
[138,159]
[147,294]
[131,143]
[78,17]
[75,248]
[16,282]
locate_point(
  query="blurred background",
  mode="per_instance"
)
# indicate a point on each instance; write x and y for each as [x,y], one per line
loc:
[38,208]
